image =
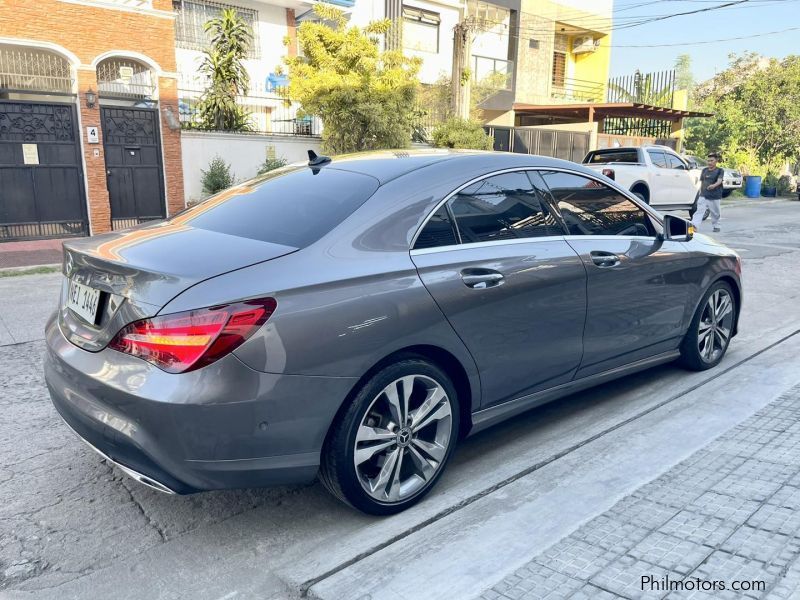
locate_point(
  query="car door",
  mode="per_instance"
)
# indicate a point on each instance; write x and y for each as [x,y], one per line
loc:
[495,260]
[663,191]
[684,187]
[637,283]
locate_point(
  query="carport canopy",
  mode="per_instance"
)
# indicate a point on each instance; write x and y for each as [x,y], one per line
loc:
[596,112]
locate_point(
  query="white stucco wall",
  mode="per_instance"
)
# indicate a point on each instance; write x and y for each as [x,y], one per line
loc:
[244,152]
[434,65]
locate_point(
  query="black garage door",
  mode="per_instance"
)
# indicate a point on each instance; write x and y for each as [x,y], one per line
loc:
[41,179]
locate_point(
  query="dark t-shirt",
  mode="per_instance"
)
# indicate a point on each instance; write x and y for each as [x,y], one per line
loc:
[707,177]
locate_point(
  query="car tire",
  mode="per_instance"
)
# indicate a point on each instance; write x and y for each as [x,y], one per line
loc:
[726,193]
[641,197]
[712,324]
[371,481]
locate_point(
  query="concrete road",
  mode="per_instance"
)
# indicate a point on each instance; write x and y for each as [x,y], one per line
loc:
[72,527]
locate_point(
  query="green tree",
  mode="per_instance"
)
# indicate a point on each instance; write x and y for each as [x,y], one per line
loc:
[684,78]
[227,76]
[756,121]
[365,97]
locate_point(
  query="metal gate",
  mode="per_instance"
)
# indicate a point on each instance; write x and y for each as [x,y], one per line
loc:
[134,173]
[567,145]
[41,177]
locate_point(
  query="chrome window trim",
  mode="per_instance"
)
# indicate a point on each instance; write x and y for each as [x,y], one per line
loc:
[654,215]
[491,243]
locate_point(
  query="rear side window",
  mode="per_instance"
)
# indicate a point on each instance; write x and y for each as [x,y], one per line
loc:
[438,231]
[658,158]
[612,156]
[590,207]
[502,207]
[293,208]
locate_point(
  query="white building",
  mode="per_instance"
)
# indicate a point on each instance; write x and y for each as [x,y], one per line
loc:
[427,31]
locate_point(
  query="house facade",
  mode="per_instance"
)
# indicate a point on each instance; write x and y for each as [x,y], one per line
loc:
[89,129]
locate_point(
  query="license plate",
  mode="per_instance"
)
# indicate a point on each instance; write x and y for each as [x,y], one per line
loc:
[83,301]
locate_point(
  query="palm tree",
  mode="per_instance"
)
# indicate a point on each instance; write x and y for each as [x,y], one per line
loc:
[222,66]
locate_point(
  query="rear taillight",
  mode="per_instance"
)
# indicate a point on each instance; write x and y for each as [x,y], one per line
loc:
[189,340]
[609,173]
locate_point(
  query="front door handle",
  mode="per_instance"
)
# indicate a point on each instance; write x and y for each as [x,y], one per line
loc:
[479,279]
[604,259]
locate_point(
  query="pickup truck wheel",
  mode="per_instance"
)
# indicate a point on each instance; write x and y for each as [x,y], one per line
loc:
[641,197]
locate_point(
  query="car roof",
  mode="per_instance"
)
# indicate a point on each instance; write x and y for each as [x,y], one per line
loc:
[386,165]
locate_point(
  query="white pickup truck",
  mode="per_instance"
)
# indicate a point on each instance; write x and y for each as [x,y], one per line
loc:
[656,174]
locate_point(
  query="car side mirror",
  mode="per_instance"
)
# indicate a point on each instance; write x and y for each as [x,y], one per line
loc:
[681,167]
[677,229]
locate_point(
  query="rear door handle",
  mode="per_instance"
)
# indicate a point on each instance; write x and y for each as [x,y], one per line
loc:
[479,279]
[604,259]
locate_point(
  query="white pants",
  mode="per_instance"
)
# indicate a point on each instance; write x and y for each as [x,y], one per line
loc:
[704,203]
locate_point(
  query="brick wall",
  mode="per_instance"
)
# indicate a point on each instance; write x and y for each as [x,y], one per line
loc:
[88,32]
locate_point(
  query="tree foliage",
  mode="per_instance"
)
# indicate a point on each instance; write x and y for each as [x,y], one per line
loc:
[461,133]
[365,97]
[227,76]
[756,106]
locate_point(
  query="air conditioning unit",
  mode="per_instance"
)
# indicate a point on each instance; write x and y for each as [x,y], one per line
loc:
[584,44]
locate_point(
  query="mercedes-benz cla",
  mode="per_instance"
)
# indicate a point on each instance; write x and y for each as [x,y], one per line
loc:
[355,317]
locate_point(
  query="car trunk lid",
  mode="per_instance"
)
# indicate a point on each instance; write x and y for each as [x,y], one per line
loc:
[138,271]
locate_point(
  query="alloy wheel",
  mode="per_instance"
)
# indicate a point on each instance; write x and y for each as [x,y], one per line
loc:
[403,439]
[714,328]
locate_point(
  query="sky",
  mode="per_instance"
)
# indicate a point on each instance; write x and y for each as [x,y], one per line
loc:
[750,18]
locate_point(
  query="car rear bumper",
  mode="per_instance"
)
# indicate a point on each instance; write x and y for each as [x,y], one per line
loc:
[223,426]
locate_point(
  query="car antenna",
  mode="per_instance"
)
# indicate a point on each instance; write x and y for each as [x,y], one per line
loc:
[315,161]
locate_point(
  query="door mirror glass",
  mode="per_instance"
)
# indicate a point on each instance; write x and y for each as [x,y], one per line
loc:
[677,229]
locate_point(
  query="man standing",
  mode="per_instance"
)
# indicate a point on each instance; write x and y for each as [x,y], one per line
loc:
[710,193]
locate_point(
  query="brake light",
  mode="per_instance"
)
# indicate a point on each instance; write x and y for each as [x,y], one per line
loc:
[609,173]
[186,341]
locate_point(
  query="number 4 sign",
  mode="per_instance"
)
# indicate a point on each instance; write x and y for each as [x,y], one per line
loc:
[92,136]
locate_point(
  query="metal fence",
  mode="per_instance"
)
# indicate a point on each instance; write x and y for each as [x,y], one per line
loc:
[270,111]
[656,89]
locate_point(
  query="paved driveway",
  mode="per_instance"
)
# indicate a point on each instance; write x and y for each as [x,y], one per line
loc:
[72,527]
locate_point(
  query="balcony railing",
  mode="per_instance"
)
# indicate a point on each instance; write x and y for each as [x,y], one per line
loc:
[269,110]
[496,72]
[577,90]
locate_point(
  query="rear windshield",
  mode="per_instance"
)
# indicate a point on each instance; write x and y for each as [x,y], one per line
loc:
[612,156]
[290,207]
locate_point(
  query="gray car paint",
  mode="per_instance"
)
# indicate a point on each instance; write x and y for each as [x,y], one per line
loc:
[345,304]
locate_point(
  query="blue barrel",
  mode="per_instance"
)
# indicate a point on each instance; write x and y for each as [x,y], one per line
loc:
[752,187]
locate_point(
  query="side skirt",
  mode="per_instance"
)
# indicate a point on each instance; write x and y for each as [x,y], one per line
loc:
[487,417]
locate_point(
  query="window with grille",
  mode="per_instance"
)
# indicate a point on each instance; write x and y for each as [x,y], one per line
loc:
[559,69]
[28,69]
[420,29]
[192,15]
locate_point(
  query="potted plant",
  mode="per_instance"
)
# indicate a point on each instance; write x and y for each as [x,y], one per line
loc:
[770,187]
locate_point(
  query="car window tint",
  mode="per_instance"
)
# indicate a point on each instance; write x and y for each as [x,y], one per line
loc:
[293,207]
[502,207]
[674,162]
[658,158]
[612,156]
[590,207]
[438,231]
